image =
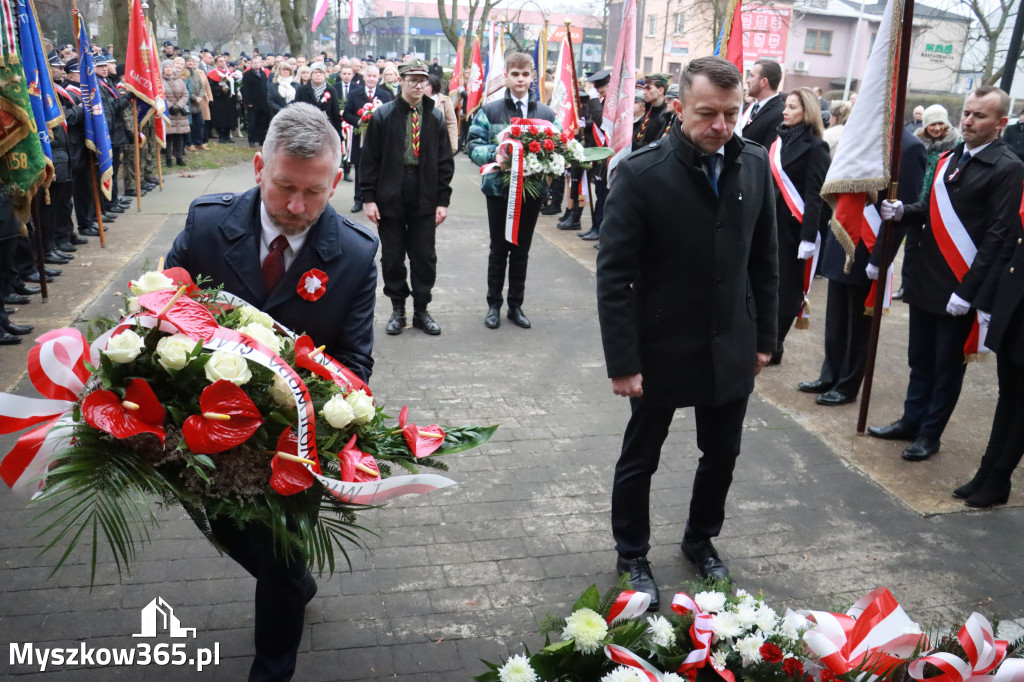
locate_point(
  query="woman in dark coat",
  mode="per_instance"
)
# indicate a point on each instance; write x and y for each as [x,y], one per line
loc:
[319,94]
[805,160]
[281,91]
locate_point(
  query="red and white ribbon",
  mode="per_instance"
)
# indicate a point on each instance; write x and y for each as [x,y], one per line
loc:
[810,267]
[984,653]
[701,634]
[794,200]
[624,656]
[873,221]
[628,605]
[875,634]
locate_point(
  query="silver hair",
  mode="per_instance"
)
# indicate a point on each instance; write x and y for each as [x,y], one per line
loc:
[371,68]
[302,131]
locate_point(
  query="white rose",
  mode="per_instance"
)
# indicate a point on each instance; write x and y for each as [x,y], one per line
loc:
[362,406]
[281,392]
[338,412]
[150,282]
[264,335]
[124,347]
[228,366]
[172,351]
[250,315]
[133,304]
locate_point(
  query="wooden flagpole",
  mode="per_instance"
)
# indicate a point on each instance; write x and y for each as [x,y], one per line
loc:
[137,129]
[887,239]
[92,155]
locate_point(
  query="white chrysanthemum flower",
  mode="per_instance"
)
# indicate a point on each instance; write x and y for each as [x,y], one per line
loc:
[793,625]
[718,660]
[672,677]
[661,631]
[767,619]
[710,602]
[726,625]
[517,669]
[750,648]
[746,614]
[587,628]
[624,674]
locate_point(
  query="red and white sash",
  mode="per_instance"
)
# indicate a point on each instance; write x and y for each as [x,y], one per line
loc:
[956,246]
[789,191]
[873,221]
[810,267]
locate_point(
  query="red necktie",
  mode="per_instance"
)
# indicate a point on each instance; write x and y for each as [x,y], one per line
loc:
[273,265]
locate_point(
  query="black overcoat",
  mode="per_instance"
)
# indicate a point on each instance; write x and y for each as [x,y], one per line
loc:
[982,196]
[687,281]
[223,109]
[763,128]
[327,102]
[222,238]
[356,100]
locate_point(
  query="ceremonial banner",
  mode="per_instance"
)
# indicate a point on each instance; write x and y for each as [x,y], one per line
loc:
[617,119]
[24,167]
[139,65]
[565,98]
[319,13]
[161,121]
[862,160]
[46,111]
[353,17]
[97,137]
[475,86]
[456,80]
[730,40]
[494,85]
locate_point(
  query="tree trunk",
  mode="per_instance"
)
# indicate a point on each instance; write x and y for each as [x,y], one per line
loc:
[293,14]
[184,27]
[120,14]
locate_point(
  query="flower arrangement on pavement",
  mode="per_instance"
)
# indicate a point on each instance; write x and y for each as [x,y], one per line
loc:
[735,636]
[196,398]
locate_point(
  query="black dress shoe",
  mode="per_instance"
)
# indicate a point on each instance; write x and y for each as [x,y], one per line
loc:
[816,386]
[898,430]
[17,299]
[396,324]
[834,398]
[423,320]
[973,485]
[78,241]
[9,311]
[591,235]
[17,329]
[573,225]
[34,278]
[776,358]
[53,259]
[703,554]
[518,318]
[109,218]
[8,339]
[115,208]
[898,294]
[25,290]
[92,231]
[152,181]
[640,578]
[493,318]
[357,207]
[995,490]
[551,209]
[921,449]
[53,272]
[62,254]
[67,247]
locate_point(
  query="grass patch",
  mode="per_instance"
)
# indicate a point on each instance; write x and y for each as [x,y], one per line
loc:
[218,156]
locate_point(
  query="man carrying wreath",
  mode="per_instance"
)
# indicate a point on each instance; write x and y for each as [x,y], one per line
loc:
[482,145]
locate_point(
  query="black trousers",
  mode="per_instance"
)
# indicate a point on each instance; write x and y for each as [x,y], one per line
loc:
[408,234]
[935,352]
[600,194]
[1006,441]
[85,206]
[505,254]
[556,191]
[175,147]
[257,123]
[224,134]
[56,216]
[719,431]
[846,337]
[280,600]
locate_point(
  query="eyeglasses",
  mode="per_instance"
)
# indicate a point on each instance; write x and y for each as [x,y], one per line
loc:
[416,82]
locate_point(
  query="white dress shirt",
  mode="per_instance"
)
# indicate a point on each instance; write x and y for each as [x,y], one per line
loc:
[269,233]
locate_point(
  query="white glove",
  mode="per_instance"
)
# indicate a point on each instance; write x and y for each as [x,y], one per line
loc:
[805,251]
[957,306]
[892,211]
[984,318]
[871,271]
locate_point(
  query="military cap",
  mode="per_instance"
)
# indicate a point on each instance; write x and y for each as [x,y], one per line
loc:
[72,65]
[55,60]
[673,91]
[168,43]
[659,79]
[601,78]
[415,67]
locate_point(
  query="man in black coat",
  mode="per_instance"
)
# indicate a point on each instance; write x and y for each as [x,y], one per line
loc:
[254,99]
[1013,136]
[593,136]
[368,92]
[656,119]
[846,326]
[687,301]
[406,170]
[765,114]
[979,183]
[258,245]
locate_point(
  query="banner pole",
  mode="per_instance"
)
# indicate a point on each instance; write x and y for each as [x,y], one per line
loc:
[138,175]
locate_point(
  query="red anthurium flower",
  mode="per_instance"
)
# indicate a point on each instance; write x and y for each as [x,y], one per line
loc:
[191,318]
[357,466]
[229,418]
[422,441]
[139,412]
[305,357]
[312,284]
[182,278]
[289,475]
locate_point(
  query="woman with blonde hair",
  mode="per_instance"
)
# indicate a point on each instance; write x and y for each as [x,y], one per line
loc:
[391,78]
[799,158]
[281,91]
[839,111]
[303,75]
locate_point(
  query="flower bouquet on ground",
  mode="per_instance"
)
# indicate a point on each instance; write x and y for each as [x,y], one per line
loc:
[734,636]
[365,113]
[195,398]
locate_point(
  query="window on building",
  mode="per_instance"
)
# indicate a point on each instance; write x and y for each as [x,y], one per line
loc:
[679,23]
[652,25]
[673,69]
[648,65]
[819,42]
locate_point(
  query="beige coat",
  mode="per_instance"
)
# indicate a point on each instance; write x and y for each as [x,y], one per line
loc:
[201,92]
[176,93]
[445,104]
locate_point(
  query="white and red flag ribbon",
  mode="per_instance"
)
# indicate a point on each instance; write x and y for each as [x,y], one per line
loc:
[623,656]
[871,227]
[617,117]
[475,86]
[564,97]
[984,654]
[701,633]
[353,17]
[628,605]
[319,13]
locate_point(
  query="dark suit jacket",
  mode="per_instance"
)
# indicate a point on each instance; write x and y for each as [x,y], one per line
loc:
[806,160]
[688,297]
[357,100]
[222,238]
[326,103]
[763,128]
[983,196]
[833,259]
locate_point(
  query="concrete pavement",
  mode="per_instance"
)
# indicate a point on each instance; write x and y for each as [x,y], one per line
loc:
[467,572]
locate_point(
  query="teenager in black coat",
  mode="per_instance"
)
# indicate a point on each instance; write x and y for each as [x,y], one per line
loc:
[805,159]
